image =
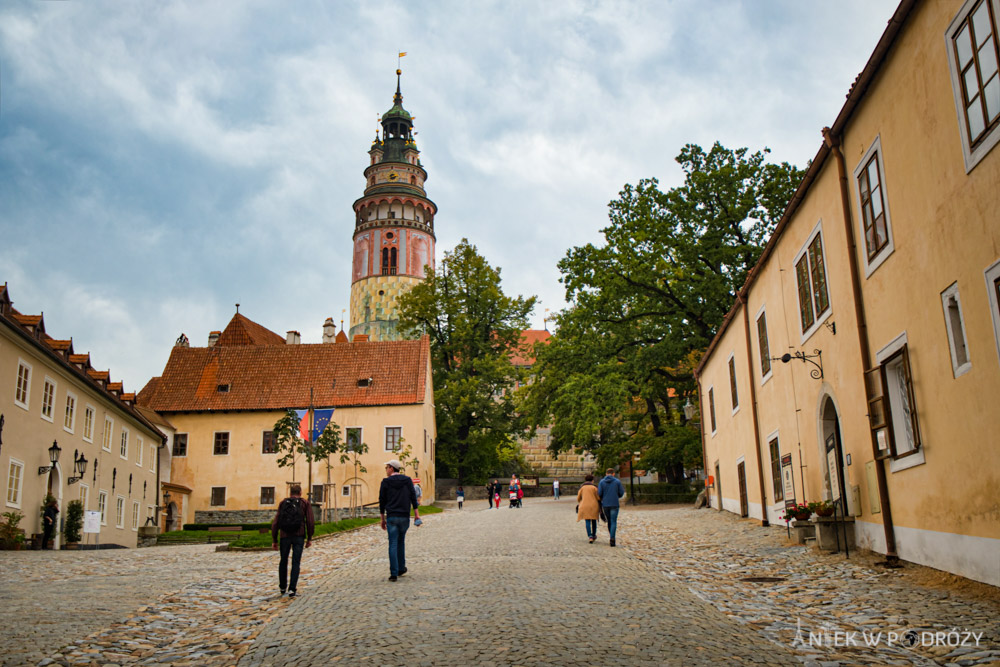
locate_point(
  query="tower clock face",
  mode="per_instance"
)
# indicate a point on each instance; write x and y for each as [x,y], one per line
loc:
[393,176]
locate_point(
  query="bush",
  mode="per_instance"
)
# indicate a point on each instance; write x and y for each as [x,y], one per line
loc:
[245,526]
[74,521]
[10,533]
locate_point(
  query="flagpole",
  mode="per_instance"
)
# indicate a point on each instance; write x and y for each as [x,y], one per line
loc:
[310,448]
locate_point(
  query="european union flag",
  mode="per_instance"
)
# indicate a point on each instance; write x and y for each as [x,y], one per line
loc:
[321,419]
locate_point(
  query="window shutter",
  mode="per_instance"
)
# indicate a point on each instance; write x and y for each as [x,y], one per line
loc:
[878,412]
[909,397]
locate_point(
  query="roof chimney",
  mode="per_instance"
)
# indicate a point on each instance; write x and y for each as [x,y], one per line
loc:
[329,331]
[294,338]
[213,338]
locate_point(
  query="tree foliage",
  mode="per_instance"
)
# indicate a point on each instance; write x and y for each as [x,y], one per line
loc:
[646,303]
[473,328]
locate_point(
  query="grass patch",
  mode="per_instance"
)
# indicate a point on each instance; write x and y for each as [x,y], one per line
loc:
[256,540]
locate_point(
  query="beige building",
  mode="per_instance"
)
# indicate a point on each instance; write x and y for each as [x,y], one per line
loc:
[55,403]
[879,292]
[223,400]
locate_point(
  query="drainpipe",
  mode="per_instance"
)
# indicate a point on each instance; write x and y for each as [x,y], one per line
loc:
[833,141]
[753,406]
[701,433]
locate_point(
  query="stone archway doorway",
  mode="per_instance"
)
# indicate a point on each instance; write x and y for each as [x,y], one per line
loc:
[833,453]
[54,488]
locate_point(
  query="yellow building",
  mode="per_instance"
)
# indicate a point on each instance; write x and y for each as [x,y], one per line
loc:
[54,404]
[865,346]
[224,399]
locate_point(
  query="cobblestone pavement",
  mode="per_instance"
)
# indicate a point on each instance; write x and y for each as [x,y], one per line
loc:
[507,587]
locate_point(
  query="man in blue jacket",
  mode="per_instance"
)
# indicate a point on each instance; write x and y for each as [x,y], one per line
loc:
[609,491]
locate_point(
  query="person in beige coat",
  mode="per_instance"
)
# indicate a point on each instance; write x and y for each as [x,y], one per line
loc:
[588,507]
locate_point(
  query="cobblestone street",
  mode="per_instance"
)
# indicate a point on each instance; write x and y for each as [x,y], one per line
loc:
[508,587]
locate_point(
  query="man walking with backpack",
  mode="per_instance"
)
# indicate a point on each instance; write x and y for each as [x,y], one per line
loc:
[395,498]
[294,522]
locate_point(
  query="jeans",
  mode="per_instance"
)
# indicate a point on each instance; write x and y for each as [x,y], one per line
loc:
[293,544]
[556,492]
[591,527]
[612,514]
[396,527]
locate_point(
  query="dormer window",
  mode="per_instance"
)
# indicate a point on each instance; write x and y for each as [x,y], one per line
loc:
[365,382]
[224,388]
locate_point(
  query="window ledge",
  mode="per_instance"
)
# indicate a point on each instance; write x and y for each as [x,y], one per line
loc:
[907,461]
[808,333]
[963,369]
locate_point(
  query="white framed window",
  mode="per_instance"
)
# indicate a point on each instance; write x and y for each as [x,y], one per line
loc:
[992,275]
[123,446]
[393,437]
[810,280]
[763,346]
[15,482]
[135,515]
[711,408]
[88,423]
[139,447]
[120,511]
[734,392]
[22,389]
[874,223]
[971,41]
[955,325]
[109,429]
[102,506]
[892,409]
[152,458]
[345,490]
[69,418]
[48,398]
[84,495]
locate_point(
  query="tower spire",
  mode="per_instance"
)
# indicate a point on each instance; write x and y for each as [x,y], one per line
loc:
[398,97]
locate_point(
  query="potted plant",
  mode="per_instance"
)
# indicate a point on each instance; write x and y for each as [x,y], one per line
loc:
[822,508]
[11,536]
[73,524]
[799,512]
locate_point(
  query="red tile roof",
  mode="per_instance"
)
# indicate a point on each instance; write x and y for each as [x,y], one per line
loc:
[528,339]
[276,377]
[80,359]
[59,344]
[244,331]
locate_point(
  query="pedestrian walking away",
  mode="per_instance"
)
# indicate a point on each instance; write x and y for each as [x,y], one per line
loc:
[49,522]
[460,496]
[588,507]
[489,494]
[395,498]
[610,490]
[555,488]
[291,530]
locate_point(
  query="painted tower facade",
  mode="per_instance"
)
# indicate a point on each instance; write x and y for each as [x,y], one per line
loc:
[394,227]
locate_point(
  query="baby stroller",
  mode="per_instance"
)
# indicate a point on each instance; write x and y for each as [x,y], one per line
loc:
[513,498]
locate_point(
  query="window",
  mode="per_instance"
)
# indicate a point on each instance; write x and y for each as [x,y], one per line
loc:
[22,391]
[268,444]
[353,439]
[711,406]
[762,346]
[891,409]
[84,495]
[973,55]
[425,441]
[102,506]
[152,458]
[69,419]
[389,256]
[779,493]
[317,495]
[871,194]
[15,477]
[992,275]
[810,277]
[88,423]
[218,496]
[345,490]
[123,448]
[135,515]
[221,447]
[109,428]
[120,511]
[955,325]
[180,444]
[138,451]
[48,398]
[732,384]
[392,436]
[267,495]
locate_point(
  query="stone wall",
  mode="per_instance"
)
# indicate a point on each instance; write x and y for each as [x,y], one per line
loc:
[566,464]
[240,517]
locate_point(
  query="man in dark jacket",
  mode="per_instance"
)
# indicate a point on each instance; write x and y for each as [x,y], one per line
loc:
[395,498]
[292,539]
[610,490]
[49,522]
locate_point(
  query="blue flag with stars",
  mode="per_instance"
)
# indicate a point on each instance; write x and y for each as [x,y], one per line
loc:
[321,419]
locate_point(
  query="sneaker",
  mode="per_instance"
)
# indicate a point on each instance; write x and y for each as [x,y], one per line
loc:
[392,577]
[281,593]
[291,594]
[612,541]
[403,571]
[592,540]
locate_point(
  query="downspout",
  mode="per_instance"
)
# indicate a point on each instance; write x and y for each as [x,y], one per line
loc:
[753,405]
[833,141]
[701,434]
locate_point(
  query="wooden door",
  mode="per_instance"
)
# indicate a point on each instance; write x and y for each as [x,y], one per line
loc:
[741,473]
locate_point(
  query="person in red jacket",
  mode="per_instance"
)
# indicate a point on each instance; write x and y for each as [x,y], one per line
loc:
[295,524]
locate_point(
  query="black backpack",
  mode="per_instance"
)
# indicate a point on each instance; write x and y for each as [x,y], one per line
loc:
[290,515]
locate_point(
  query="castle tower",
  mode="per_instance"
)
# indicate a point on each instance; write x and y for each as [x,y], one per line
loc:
[394,227]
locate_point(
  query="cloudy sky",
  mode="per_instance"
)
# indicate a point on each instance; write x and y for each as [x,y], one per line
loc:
[162,161]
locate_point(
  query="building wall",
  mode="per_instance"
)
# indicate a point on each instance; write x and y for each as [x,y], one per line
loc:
[27,435]
[944,233]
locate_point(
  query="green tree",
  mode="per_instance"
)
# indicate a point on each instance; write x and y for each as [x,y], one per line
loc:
[290,446]
[473,328]
[646,303]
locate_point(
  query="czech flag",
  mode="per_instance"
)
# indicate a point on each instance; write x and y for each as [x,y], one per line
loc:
[321,419]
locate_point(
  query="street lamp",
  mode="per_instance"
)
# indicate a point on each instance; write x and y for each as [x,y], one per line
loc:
[80,464]
[416,468]
[54,452]
[688,410]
